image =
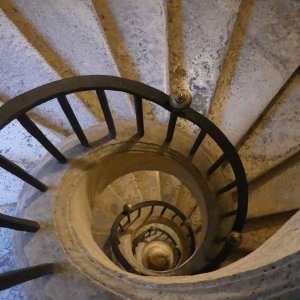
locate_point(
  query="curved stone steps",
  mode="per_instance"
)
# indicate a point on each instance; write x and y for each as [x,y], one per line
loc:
[148,183]
[127,189]
[137,187]
[267,55]
[257,65]
[74,35]
[277,136]
[186,203]
[260,229]
[169,187]
[276,191]
[152,188]
[256,232]
[20,147]
[199,34]
[106,207]
[24,68]
[137,38]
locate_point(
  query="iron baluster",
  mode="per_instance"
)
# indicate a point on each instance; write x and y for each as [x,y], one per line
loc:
[198,142]
[41,138]
[216,164]
[19,172]
[229,214]
[67,109]
[171,127]
[15,277]
[227,188]
[18,223]
[107,113]
[139,115]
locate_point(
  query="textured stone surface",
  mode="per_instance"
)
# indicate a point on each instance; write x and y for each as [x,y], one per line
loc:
[169,187]
[7,262]
[278,192]
[138,40]
[73,32]
[234,280]
[216,285]
[6,234]
[269,55]
[127,188]
[21,148]
[22,68]
[199,32]
[47,248]
[10,186]
[277,136]
[185,201]
[259,230]
[45,244]
[107,206]
[149,185]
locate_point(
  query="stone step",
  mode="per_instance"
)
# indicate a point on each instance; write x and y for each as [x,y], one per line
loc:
[21,148]
[264,56]
[148,183]
[106,208]
[169,187]
[127,188]
[234,256]
[258,230]
[137,38]
[185,201]
[276,137]
[22,68]
[199,34]
[277,190]
[76,43]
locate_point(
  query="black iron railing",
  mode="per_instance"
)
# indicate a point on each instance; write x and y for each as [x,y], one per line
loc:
[130,215]
[16,109]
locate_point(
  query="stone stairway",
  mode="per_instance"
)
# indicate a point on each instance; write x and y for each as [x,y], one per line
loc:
[239,59]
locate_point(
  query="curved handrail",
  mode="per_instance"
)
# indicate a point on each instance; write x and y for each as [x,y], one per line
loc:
[21,104]
[17,107]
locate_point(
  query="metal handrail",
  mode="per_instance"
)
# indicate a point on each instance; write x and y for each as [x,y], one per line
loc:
[16,109]
[117,227]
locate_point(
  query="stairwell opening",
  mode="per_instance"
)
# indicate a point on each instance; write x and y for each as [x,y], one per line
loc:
[94,202]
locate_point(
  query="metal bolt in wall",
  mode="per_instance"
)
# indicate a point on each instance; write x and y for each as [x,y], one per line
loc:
[181,100]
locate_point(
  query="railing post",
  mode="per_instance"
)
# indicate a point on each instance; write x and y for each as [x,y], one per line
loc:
[41,138]
[15,277]
[139,115]
[67,109]
[181,101]
[107,113]
[18,223]
[19,172]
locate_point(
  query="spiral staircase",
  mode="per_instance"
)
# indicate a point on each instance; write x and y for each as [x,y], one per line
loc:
[174,173]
